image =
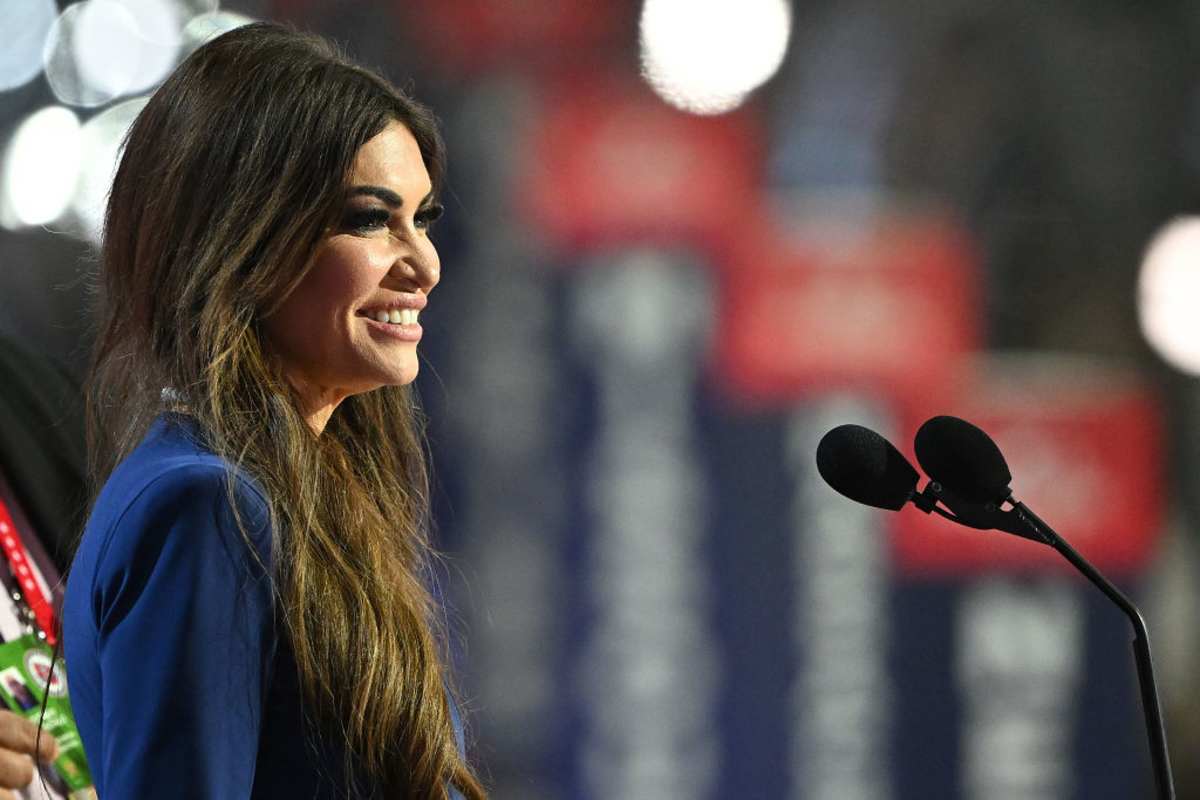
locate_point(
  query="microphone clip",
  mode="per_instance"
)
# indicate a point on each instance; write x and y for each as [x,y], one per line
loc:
[981,516]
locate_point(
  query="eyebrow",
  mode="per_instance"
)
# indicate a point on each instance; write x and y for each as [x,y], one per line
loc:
[386,195]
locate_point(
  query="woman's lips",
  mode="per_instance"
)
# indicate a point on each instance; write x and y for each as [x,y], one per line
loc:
[402,331]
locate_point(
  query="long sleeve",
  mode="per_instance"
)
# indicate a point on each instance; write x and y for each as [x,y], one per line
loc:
[184,641]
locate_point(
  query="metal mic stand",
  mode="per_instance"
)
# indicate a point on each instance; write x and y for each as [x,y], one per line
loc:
[1019,520]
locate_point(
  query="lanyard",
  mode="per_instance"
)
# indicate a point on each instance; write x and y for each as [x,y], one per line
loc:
[23,571]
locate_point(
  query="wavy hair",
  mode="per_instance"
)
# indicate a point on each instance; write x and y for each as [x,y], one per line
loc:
[231,176]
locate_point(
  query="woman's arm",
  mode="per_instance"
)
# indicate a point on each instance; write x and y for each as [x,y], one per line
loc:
[185,641]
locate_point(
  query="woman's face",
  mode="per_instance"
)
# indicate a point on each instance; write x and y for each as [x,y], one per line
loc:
[351,325]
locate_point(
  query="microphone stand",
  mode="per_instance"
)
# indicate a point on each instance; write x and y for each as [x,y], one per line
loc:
[1021,521]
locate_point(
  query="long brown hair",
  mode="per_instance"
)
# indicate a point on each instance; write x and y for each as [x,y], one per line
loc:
[230,177]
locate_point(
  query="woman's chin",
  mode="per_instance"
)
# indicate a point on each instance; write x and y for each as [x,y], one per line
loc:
[402,375]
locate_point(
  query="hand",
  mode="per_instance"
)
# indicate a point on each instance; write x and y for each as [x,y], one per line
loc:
[18,740]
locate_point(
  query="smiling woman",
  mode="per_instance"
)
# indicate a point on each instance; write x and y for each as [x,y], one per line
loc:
[350,326]
[246,614]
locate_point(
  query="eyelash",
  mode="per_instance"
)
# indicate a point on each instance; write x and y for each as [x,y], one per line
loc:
[429,215]
[375,218]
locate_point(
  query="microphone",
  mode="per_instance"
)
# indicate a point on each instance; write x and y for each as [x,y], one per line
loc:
[964,459]
[968,474]
[862,465]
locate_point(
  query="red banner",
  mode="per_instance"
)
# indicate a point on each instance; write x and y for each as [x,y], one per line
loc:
[607,162]
[884,307]
[473,36]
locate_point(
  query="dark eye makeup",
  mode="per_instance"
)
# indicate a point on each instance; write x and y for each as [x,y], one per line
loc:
[368,219]
[428,215]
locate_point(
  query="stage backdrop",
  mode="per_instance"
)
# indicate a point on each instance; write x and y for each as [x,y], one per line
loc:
[661,597]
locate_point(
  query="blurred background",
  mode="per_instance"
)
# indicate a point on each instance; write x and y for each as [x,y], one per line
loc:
[687,237]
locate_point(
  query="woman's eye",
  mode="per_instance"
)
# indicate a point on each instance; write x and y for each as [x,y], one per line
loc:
[366,219]
[428,215]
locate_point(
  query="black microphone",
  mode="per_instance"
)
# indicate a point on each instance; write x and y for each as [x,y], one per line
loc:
[964,459]
[968,473]
[867,468]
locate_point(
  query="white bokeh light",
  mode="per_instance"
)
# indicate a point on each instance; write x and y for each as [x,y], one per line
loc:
[102,145]
[91,53]
[159,36]
[99,50]
[209,26]
[26,24]
[164,21]
[41,168]
[1169,294]
[706,56]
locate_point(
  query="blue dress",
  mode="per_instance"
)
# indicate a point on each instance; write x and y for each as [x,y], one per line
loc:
[181,681]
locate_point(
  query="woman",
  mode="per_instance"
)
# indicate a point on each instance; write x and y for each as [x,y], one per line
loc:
[247,613]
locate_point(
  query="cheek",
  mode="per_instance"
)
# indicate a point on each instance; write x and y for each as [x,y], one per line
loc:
[342,280]
[318,310]
[344,277]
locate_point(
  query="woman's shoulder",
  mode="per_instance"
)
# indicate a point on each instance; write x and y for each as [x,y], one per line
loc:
[172,524]
[171,491]
[172,464]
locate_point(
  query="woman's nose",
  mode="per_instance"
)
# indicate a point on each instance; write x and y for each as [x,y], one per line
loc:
[420,268]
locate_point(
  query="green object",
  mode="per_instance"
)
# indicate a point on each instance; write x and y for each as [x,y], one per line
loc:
[26,680]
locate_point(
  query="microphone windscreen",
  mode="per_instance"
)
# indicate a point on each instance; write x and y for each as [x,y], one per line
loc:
[964,459]
[865,467]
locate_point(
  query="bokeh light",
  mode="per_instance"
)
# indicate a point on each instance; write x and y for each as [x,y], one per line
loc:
[1169,294]
[26,24]
[41,168]
[164,21]
[706,56]
[91,53]
[158,39]
[209,26]
[102,145]
[99,50]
